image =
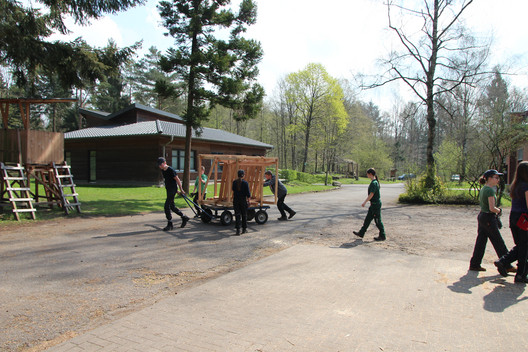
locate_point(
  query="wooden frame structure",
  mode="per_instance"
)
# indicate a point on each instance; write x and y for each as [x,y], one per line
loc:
[226,167]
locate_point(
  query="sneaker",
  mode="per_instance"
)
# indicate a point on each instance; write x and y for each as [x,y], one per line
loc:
[358,234]
[282,218]
[184,220]
[379,238]
[477,268]
[501,268]
[292,214]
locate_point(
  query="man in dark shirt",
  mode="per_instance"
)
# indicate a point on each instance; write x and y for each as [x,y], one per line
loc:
[172,182]
[281,194]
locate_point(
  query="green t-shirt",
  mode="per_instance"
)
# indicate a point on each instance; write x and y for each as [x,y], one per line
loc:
[485,193]
[374,188]
[204,180]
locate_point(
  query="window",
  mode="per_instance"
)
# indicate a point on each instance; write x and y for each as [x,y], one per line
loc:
[178,160]
[520,154]
[92,176]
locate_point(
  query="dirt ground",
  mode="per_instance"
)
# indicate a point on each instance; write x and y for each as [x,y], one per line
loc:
[63,277]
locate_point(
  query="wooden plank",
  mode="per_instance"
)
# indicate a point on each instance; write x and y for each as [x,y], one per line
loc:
[24,210]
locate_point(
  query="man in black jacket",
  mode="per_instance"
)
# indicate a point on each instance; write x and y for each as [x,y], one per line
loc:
[281,194]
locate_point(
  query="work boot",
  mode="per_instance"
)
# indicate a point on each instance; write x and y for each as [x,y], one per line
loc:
[168,227]
[360,235]
[292,214]
[380,238]
[184,220]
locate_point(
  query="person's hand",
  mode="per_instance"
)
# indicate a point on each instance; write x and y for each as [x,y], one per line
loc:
[363,204]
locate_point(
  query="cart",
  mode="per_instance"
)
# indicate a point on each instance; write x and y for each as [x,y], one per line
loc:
[223,171]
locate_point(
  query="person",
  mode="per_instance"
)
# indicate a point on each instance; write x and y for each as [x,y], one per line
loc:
[519,195]
[281,195]
[488,223]
[241,197]
[374,211]
[172,182]
[203,177]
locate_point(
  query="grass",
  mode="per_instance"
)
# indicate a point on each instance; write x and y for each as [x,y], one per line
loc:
[98,200]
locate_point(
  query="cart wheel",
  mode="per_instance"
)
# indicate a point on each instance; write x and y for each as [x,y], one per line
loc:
[250,214]
[226,218]
[207,215]
[261,217]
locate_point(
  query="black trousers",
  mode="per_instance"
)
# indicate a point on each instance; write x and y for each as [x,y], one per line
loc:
[195,200]
[487,228]
[240,207]
[169,204]
[283,208]
[520,251]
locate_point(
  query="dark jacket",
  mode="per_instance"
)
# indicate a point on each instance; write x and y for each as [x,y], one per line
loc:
[243,193]
[281,192]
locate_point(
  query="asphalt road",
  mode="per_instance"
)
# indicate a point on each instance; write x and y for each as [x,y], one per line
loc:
[63,277]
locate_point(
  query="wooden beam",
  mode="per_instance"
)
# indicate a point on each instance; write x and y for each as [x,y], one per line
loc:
[4,108]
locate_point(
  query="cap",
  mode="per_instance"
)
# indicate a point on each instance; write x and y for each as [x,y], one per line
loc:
[492,172]
[161,160]
[241,173]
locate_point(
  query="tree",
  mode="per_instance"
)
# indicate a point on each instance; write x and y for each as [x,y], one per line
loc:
[110,93]
[215,71]
[23,44]
[311,89]
[429,64]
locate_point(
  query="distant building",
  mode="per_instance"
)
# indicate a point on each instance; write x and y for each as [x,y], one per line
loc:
[123,147]
[519,155]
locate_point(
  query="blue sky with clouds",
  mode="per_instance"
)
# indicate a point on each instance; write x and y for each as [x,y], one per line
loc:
[346,36]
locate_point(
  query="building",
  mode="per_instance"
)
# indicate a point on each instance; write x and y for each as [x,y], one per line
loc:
[519,155]
[123,147]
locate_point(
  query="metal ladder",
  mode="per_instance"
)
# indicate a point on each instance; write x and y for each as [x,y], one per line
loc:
[64,180]
[17,188]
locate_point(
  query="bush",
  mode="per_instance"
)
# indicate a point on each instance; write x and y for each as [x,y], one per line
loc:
[417,193]
[292,175]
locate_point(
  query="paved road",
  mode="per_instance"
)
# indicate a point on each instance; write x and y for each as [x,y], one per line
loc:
[60,278]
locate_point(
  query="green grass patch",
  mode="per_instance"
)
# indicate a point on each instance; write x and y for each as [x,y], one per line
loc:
[99,200]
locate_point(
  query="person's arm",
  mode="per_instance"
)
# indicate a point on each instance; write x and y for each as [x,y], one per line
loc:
[492,207]
[179,184]
[371,194]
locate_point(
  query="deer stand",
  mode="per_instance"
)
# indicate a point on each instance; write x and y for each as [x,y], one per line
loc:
[223,172]
[57,182]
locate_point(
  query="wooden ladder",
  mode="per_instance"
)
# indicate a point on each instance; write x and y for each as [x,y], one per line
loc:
[18,191]
[64,181]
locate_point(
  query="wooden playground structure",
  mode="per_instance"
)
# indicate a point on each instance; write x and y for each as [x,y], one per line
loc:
[223,172]
[27,155]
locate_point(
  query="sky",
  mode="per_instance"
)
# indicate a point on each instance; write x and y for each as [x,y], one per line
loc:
[345,36]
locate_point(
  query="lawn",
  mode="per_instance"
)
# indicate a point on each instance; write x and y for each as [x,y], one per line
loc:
[98,200]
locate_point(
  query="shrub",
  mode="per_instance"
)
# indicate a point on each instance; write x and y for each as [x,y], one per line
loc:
[417,193]
[292,175]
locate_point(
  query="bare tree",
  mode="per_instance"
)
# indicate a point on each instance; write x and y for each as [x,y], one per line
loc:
[429,63]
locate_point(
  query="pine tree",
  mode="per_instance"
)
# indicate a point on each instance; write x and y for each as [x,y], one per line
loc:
[214,70]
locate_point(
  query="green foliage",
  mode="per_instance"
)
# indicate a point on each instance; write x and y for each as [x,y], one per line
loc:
[292,175]
[419,191]
[448,159]
[25,48]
